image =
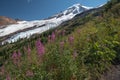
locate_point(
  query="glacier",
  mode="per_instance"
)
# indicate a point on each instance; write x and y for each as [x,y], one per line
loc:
[40,25]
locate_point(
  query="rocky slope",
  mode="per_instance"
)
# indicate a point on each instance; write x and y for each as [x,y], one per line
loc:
[6,21]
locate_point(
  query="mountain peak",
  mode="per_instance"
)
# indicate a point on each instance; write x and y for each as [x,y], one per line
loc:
[71,11]
[76,9]
[80,5]
[75,5]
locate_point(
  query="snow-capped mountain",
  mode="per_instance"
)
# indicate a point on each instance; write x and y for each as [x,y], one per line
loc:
[25,29]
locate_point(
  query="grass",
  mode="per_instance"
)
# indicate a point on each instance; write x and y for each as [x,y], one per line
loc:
[72,52]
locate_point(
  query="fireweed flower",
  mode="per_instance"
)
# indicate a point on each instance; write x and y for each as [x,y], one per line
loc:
[29,73]
[19,58]
[40,48]
[19,54]
[14,58]
[29,50]
[28,54]
[53,37]
[71,39]
[63,32]
[8,77]
[57,33]
[14,55]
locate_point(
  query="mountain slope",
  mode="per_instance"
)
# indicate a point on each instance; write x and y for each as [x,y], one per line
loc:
[27,28]
[6,21]
[80,49]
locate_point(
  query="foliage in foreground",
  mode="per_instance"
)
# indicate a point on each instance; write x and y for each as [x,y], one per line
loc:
[82,55]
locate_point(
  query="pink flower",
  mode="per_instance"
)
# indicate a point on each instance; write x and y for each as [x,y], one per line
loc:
[29,73]
[59,33]
[63,32]
[53,37]
[29,50]
[19,54]
[16,57]
[8,77]
[40,48]
[28,54]
[71,39]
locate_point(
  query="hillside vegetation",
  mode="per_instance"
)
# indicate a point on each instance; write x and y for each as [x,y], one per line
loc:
[80,49]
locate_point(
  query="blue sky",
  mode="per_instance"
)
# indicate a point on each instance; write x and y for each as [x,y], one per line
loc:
[39,9]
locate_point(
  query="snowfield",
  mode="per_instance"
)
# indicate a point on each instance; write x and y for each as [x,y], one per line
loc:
[40,25]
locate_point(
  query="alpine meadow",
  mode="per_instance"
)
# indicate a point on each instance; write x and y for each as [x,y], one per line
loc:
[80,43]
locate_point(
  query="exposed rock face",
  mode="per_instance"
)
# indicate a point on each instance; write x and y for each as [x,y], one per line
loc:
[112,74]
[6,21]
